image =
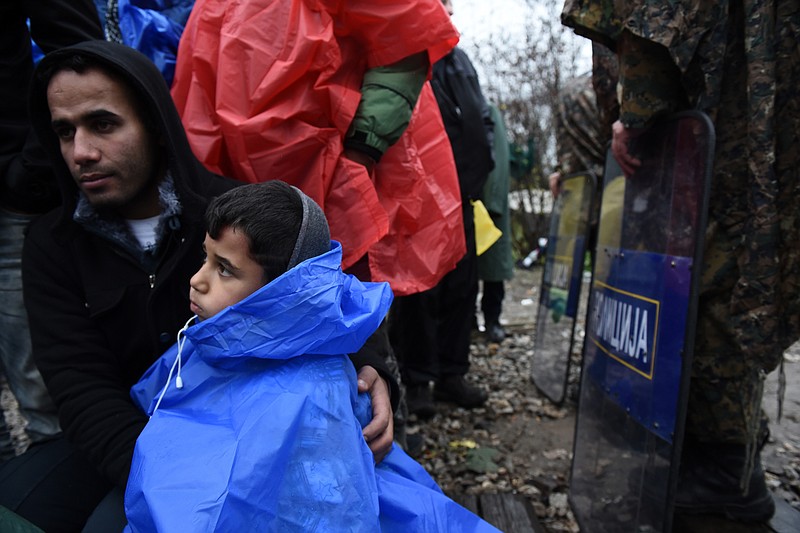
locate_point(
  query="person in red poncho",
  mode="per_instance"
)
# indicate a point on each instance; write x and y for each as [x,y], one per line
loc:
[331,96]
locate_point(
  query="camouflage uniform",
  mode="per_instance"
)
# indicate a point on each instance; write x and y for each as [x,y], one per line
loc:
[586,110]
[581,143]
[605,74]
[737,61]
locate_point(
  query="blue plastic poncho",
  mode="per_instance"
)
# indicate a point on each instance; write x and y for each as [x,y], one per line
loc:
[264,435]
[154,27]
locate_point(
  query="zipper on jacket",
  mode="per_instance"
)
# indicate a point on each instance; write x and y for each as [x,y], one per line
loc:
[151,278]
[440,92]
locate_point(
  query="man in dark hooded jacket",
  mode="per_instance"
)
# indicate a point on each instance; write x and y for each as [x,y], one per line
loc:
[105,274]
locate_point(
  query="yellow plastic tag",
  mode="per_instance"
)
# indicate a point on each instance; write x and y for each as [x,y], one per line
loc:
[486,233]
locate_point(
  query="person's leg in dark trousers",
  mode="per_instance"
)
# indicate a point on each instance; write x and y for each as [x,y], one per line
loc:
[458,290]
[492,306]
[412,333]
[492,301]
[52,486]
[430,332]
[457,293]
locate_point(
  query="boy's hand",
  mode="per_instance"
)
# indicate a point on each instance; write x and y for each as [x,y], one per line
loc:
[379,433]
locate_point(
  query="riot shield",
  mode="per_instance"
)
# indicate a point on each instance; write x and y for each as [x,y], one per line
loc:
[561,284]
[640,330]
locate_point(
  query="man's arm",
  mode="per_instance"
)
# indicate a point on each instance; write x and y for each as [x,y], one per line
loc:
[388,97]
[650,86]
[375,377]
[79,365]
[389,94]
[379,433]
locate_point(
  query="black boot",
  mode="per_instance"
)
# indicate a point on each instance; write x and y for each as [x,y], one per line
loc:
[454,388]
[419,400]
[495,332]
[709,483]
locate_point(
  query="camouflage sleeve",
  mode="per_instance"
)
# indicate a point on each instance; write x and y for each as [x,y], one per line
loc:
[650,83]
[605,75]
[581,144]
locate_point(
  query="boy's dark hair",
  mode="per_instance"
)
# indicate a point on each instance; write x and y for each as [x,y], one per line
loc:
[282,225]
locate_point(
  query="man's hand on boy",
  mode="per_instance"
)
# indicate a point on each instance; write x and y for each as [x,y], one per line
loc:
[379,433]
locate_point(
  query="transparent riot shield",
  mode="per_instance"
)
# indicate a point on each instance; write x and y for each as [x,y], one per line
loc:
[561,284]
[639,333]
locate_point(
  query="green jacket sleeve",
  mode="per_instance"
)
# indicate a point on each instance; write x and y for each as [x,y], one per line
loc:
[388,97]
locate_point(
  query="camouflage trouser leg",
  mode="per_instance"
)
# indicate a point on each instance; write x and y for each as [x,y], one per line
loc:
[727,384]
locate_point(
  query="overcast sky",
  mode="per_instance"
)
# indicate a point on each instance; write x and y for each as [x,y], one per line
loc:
[479,18]
[474,17]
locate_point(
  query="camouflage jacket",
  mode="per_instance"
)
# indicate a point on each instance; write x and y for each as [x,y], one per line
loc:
[737,61]
[691,35]
[581,142]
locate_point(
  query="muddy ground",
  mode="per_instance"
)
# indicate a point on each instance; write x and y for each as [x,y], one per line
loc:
[520,442]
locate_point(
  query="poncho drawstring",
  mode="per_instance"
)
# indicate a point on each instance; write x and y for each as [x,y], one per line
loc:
[177,363]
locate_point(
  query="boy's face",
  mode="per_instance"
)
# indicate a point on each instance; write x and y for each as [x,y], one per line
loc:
[109,152]
[228,274]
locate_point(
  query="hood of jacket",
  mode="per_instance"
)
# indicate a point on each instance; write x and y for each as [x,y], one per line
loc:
[143,78]
[314,308]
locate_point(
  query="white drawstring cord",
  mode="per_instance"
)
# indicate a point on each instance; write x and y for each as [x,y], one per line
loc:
[178,380]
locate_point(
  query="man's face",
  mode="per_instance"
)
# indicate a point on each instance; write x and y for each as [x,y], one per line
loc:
[110,154]
[228,274]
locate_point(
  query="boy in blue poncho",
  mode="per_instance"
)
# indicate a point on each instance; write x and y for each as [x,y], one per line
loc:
[254,412]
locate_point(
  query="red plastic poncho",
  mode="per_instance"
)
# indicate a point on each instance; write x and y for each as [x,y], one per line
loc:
[267,90]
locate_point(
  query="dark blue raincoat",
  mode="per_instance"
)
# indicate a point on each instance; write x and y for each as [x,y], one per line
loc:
[264,434]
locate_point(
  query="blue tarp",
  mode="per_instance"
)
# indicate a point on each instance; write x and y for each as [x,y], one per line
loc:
[154,27]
